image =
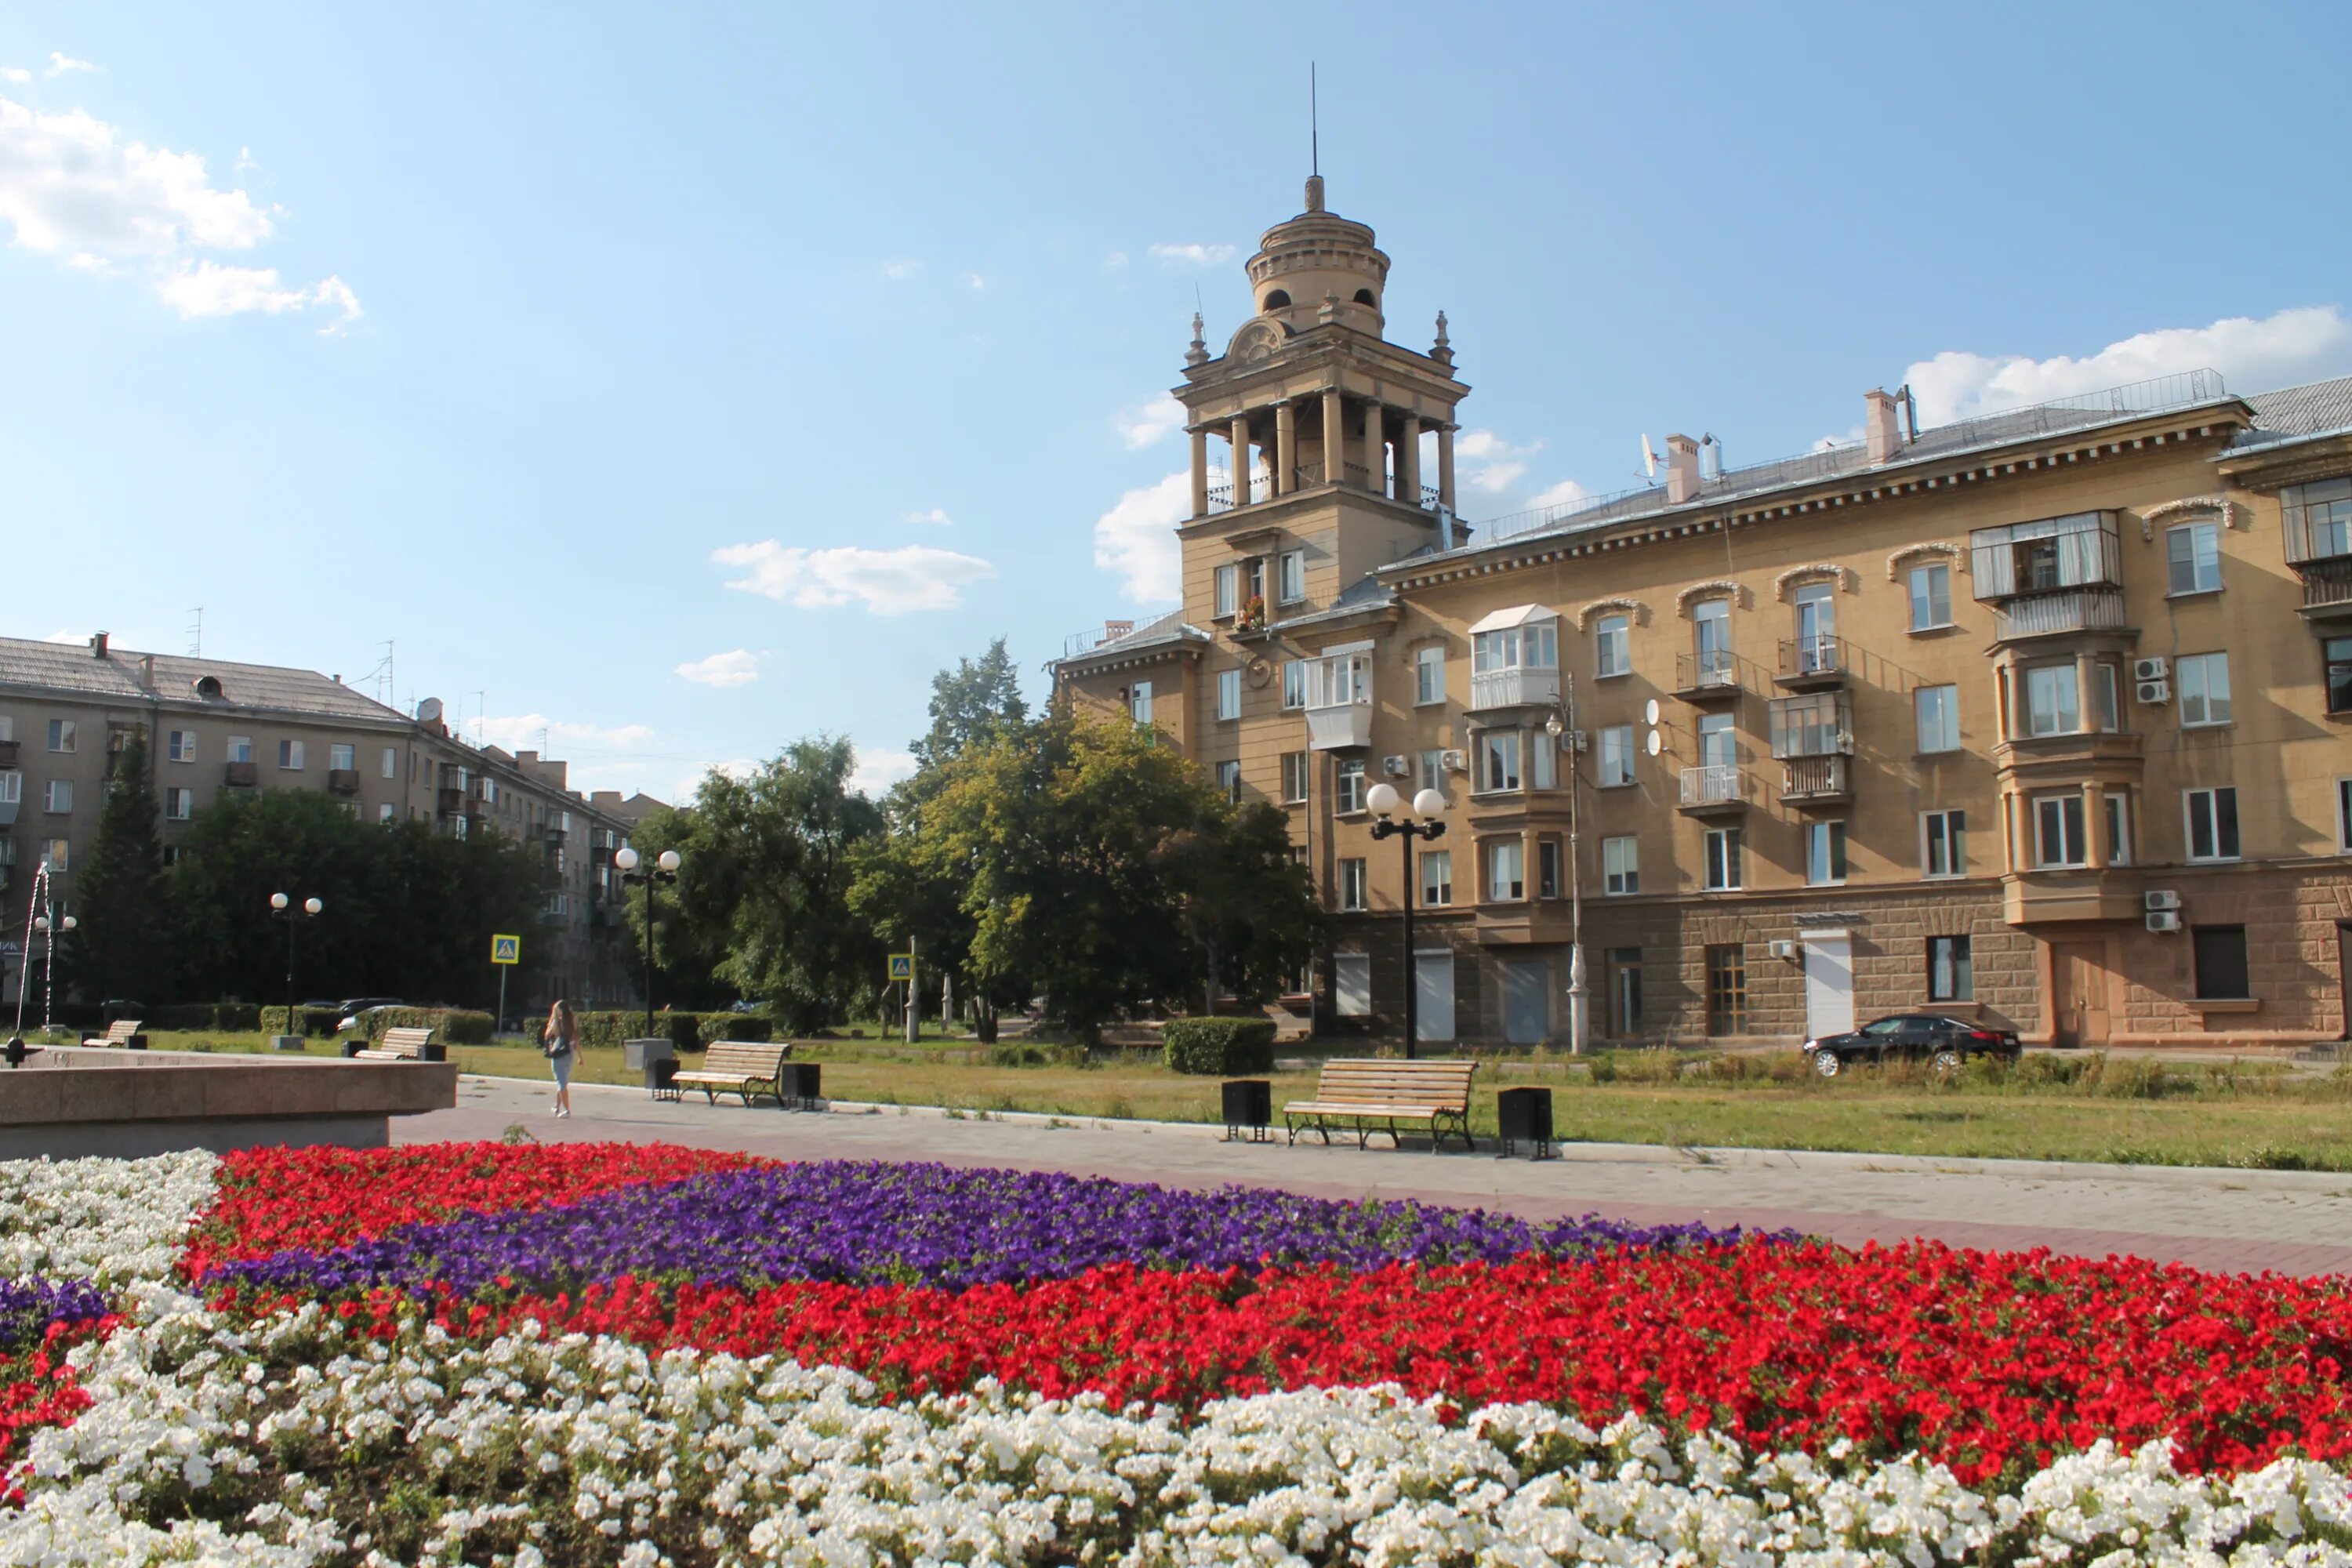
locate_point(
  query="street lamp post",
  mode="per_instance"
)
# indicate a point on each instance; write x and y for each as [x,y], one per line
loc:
[51,928]
[663,870]
[1563,724]
[282,907]
[1429,806]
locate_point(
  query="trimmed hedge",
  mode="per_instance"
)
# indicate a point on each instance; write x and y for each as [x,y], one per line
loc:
[238,1016]
[1223,1047]
[182,1016]
[316,1023]
[737,1026]
[455,1025]
[685,1031]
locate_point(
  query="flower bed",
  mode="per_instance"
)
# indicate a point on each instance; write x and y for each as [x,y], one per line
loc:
[533,1357]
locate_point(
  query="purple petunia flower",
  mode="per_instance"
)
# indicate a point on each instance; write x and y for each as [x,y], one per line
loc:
[29,1305]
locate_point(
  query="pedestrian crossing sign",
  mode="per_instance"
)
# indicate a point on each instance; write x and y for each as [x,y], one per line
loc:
[506,950]
[902,966]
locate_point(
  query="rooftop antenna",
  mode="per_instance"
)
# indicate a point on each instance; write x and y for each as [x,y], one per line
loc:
[1313,124]
[196,632]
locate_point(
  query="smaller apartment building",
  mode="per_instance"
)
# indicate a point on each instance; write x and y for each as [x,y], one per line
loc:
[2041,717]
[67,711]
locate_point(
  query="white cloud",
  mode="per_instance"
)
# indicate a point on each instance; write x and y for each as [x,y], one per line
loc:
[937,516]
[1560,494]
[899,271]
[1137,539]
[2306,344]
[530,731]
[888,582]
[878,768]
[65,637]
[1192,255]
[1115,261]
[975,281]
[59,65]
[208,288]
[17,74]
[1497,464]
[1147,423]
[738,667]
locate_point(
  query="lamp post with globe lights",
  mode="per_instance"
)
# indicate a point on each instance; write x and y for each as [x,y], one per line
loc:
[664,869]
[282,908]
[1561,727]
[1428,807]
[50,927]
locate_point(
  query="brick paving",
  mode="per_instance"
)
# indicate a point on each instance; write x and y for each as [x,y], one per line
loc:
[2289,1222]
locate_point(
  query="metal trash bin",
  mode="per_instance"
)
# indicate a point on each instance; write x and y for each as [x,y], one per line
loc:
[661,1077]
[1249,1109]
[1526,1118]
[800,1085]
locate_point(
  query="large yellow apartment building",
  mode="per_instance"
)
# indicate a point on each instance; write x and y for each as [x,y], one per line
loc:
[2044,718]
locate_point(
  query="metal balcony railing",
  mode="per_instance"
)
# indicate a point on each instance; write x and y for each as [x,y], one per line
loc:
[2067,610]
[2326,582]
[1814,778]
[1714,669]
[1719,784]
[1803,657]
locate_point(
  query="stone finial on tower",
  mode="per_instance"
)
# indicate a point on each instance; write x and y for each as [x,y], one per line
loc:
[1198,353]
[1442,350]
[1314,193]
[1330,312]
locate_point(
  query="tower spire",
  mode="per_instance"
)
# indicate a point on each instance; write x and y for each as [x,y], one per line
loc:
[1313,145]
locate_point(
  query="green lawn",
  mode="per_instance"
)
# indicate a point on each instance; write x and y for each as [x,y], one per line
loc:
[2086,1107]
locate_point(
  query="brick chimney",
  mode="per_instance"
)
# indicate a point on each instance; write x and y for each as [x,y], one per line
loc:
[1681,469]
[98,645]
[1878,422]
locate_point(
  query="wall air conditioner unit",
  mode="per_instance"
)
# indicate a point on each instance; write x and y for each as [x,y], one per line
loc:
[1784,949]
[2160,899]
[1396,767]
[2164,920]
[2149,669]
[2153,692]
[1456,762]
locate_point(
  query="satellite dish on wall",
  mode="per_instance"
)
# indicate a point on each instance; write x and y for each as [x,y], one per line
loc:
[1650,712]
[1656,744]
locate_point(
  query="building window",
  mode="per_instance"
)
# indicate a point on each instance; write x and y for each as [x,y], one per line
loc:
[1534,646]
[2058,830]
[2204,688]
[1940,718]
[1139,701]
[61,735]
[1723,868]
[289,757]
[1825,853]
[1543,760]
[1718,740]
[1548,879]
[180,745]
[1351,985]
[57,797]
[1352,885]
[2220,963]
[1428,677]
[1944,844]
[1290,576]
[1612,647]
[1931,597]
[1229,780]
[1340,680]
[1711,639]
[12,793]
[1348,784]
[2053,703]
[1229,694]
[8,726]
[1951,971]
[2337,652]
[1624,991]
[1506,871]
[391,763]
[240,748]
[1616,755]
[387,812]
[1294,777]
[2106,698]
[1726,989]
[179,805]
[171,854]
[57,852]
[342,759]
[2318,519]
[2214,824]
[1430,771]
[1293,683]
[2344,816]
[1498,760]
[2193,558]
[1437,878]
[1621,865]
[1229,586]
[2118,828]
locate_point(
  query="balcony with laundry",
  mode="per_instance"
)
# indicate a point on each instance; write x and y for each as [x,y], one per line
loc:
[1812,739]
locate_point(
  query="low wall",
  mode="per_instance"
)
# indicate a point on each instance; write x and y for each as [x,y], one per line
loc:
[73,1101]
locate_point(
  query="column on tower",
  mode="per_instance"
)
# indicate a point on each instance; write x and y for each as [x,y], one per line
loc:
[1335,448]
[1376,455]
[1286,447]
[1200,434]
[1445,466]
[1409,462]
[1239,435]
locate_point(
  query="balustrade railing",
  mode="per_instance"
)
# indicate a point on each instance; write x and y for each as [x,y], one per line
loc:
[1803,778]
[1719,784]
[2326,582]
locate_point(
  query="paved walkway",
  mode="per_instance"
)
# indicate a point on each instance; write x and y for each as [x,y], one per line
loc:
[2293,1222]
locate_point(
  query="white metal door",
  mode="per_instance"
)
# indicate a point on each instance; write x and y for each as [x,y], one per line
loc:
[1828,986]
[1433,979]
[1527,999]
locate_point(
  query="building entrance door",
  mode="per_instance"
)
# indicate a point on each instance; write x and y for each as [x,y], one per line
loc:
[1829,984]
[1432,981]
[1527,1001]
[1625,992]
[2078,994]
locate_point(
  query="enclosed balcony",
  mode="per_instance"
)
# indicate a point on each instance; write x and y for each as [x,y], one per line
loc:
[1340,699]
[8,753]
[1714,790]
[2051,577]
[1515,660]
[1811,664]
[1813,737]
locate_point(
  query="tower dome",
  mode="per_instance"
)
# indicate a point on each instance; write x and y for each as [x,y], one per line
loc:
[1316,261]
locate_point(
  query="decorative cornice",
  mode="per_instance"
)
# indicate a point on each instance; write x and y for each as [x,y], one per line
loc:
[1721,586]
[1634,607]
[1845,577]
[1952,553]
[2232,514]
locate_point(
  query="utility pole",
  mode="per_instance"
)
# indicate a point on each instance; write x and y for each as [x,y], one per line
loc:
[1563,729]
[911,1002]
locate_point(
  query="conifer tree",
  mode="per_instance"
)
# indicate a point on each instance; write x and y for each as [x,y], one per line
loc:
[120,946]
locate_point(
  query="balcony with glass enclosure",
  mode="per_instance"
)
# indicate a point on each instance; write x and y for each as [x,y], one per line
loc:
[2051,577]
[1515,660]
[2318,526]
[1812,739]
[1339,700]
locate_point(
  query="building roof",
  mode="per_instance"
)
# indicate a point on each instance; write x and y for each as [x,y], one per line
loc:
[2294,413]
[1365,593]
[123,676]
[1170,628]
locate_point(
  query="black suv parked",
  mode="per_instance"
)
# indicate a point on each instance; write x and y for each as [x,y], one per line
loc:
[1943,1042]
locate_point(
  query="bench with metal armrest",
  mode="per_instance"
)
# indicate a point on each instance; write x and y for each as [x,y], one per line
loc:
[1375,1096]
[748,1067]
[124,1032]
[399,1046]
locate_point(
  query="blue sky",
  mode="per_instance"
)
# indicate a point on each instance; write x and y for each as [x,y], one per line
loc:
[684,382]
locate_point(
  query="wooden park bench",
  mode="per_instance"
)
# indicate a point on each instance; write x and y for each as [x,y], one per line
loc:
[124,1032]
[739,1066]
[398,1045]
[1376,1095]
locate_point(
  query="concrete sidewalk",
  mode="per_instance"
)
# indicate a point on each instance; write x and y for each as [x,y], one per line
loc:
[2293,1222]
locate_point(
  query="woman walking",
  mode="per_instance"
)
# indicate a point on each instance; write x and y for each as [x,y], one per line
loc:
[558,1040]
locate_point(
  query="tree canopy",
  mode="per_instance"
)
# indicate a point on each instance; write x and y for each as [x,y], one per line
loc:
[121,948]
